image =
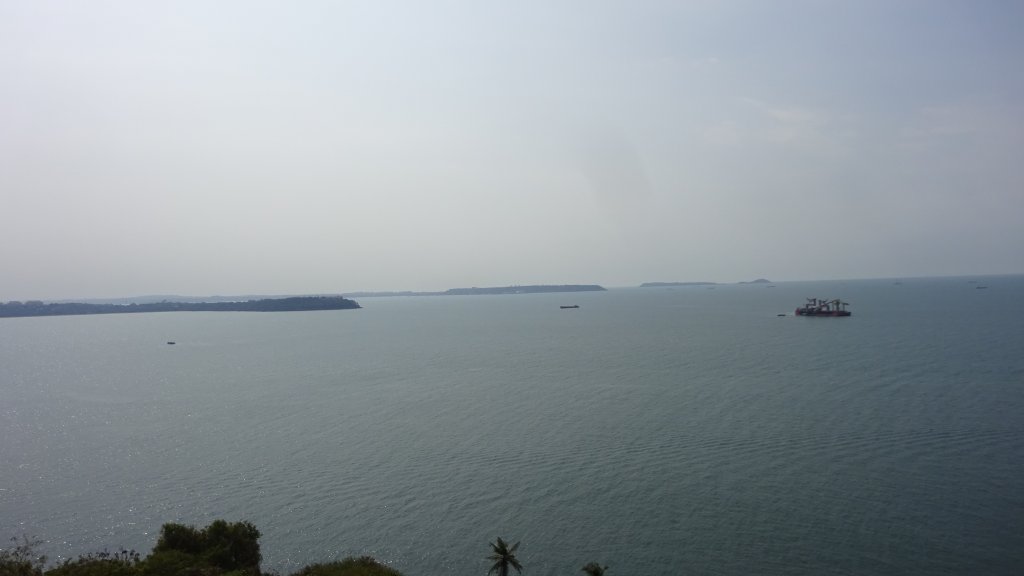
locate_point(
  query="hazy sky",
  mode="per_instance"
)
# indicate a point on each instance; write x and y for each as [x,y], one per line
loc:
[227,147]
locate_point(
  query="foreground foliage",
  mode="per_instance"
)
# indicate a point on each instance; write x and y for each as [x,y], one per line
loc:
[220,549]
[20,559]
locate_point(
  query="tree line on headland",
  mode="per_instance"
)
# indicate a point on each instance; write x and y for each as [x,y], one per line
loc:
[220,549]
[293,304]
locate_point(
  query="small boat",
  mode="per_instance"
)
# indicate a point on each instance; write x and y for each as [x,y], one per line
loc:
[568,307]
[172,342]
[822,307]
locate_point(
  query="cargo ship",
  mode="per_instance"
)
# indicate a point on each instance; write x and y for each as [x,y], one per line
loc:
[820,307]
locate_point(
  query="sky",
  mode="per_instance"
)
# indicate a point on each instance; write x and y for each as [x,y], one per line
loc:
[267,147]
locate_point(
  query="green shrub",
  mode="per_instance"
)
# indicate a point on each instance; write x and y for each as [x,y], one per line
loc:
[232,546]
[220,547]
[179,538]
[175,563]
[363,566]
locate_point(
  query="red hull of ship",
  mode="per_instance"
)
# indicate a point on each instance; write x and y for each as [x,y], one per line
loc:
[804,312]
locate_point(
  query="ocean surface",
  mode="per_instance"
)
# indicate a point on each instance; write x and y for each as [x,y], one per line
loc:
[686,430]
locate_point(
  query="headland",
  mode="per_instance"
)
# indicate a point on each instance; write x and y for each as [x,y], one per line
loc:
[291,304]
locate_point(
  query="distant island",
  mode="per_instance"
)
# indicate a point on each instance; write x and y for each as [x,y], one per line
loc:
[292,304]
[663,284]
[531,289]
[391,293]
[537,289]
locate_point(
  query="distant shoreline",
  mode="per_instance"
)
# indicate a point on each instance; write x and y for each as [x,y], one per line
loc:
[664,284]
[292,304]
[157,298]
[669,284]
[168,303]
[475,291]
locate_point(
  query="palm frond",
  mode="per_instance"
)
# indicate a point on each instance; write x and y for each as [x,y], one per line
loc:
[503,557]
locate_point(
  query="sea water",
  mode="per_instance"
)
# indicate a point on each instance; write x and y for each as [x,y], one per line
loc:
[685,430]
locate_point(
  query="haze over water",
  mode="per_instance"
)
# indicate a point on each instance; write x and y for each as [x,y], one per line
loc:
[681,430]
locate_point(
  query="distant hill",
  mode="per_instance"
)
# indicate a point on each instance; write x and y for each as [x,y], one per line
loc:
[388,294]
[758,281]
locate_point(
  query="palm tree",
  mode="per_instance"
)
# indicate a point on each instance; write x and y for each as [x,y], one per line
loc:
[594,569]
[504,557]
